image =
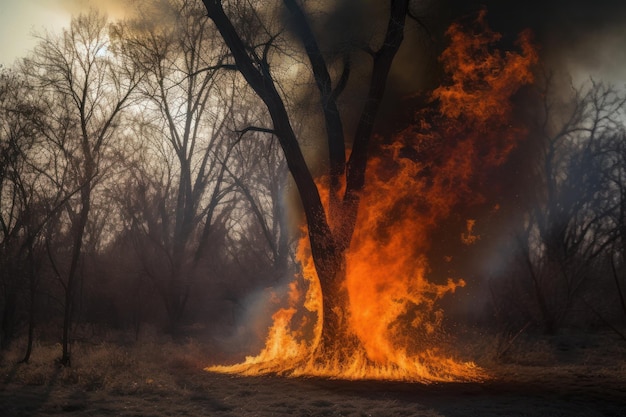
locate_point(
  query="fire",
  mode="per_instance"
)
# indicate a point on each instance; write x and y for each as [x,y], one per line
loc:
[414,183]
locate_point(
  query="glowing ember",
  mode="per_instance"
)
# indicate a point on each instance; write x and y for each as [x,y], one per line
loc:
[414,183]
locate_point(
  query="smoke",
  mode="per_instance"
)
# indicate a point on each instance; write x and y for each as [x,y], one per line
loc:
[113,8]
[251,319]
[576,40]
[579,38]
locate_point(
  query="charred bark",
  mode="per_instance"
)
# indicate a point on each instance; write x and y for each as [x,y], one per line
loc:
[329,235]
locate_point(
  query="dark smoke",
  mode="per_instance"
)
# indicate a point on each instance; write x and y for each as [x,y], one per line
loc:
[576,40]
[582,38]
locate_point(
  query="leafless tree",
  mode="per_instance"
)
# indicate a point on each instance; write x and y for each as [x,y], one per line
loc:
[16,202]
[257,60]
[86,85]
[570,224]
[183,175]
[27,207]
[262,182]
[615,174]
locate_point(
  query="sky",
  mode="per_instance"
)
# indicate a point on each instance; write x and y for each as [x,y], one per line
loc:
[19,19]
[587,38]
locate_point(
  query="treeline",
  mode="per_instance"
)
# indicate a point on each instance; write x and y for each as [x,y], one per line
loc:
[551,247]
[569,243]
[136,182]
[139,183]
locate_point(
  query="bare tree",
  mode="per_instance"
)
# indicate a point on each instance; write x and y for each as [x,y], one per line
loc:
[329,233]
[27,205]
[16,201]
[262,183]
[570,222]
[86,86]
[615,173]
[182,176]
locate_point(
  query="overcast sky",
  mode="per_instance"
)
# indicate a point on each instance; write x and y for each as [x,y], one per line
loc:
[20,18]
[587,37]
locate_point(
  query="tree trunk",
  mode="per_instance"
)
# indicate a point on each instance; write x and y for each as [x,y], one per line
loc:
[79,231]
[336,341]
[31,310]
[328,244]
[8,318]
[31,330]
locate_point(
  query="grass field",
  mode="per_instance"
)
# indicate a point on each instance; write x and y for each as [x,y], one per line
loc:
[565,375]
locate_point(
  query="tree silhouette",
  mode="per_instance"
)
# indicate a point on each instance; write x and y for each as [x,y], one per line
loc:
[329,232]
[85,89]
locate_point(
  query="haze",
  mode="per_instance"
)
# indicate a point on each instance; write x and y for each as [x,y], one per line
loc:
[21,19]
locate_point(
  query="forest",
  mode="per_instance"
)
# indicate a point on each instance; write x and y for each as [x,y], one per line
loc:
[197,168]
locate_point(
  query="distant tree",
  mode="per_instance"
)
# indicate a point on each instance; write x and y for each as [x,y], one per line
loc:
[85,85]
[180,187]
[16,200]
[615,173]
[569,223]
[262,183]
[28,206]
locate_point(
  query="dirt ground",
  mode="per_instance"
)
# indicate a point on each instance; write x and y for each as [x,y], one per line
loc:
[220,395]
[553,378]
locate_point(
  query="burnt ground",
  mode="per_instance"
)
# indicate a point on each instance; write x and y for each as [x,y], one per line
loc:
[207,394]
[541,379]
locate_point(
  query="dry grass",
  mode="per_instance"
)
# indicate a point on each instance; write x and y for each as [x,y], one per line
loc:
[106,366]
[561,357]
[567,375]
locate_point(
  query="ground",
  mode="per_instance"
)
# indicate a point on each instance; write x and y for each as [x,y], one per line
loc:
[564,376]
[220,395]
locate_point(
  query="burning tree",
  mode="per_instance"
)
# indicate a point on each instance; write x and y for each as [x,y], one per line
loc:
[368,218]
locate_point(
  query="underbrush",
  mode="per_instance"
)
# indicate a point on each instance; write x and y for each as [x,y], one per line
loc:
[156,365]
[528,355]
[159,365]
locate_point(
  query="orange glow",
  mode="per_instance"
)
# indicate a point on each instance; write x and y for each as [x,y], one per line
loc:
[469,237]
[411,186]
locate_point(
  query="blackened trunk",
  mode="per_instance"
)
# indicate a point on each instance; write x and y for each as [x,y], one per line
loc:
[328,246]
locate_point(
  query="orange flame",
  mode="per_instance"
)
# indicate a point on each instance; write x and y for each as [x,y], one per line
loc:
[413,184]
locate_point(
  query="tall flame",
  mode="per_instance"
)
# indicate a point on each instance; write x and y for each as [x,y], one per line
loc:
[412,185]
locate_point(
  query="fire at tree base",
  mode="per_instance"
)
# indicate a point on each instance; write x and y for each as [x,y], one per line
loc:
[414,182]
[287,354]
[292,344]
